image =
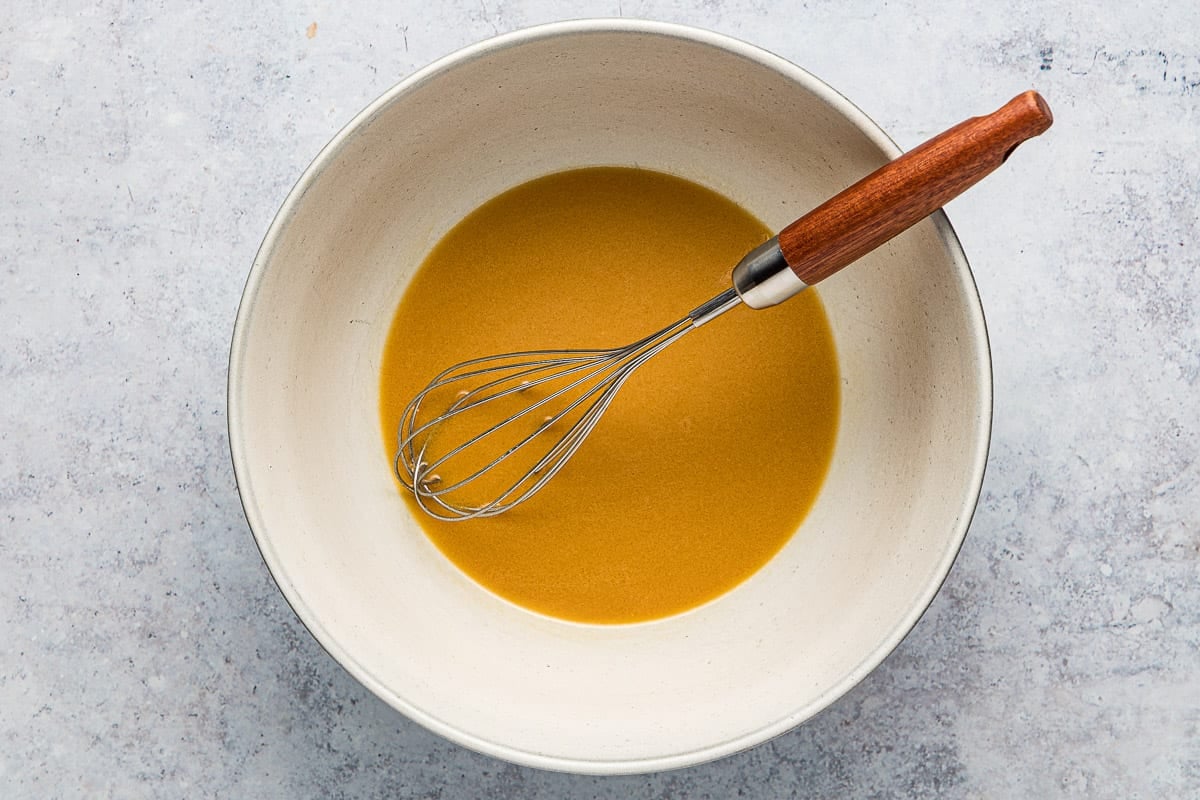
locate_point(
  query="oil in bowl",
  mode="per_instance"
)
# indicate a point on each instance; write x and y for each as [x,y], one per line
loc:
[712,455]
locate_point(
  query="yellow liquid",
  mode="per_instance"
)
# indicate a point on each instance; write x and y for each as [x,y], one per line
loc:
[712,453]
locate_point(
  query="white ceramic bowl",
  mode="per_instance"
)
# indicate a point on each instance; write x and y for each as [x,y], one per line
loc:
[317,489]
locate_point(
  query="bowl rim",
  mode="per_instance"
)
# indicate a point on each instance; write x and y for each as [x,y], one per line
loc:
[249,300]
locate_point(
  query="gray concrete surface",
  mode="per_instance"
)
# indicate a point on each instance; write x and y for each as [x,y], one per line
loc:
[146,652]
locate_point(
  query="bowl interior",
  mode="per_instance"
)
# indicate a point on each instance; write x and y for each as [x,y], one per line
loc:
[356,567]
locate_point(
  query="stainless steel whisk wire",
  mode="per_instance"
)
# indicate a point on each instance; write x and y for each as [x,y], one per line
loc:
[608,368]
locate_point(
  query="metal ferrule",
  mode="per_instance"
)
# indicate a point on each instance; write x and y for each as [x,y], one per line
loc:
[763,278]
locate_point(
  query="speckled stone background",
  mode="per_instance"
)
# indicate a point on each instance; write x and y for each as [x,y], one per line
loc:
[144,148]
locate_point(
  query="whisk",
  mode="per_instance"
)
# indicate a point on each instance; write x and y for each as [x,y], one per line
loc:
[502,426]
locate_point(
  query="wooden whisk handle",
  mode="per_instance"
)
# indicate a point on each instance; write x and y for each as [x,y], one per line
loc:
[905,191]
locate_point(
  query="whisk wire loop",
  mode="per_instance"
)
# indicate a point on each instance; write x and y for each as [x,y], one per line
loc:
[587,381]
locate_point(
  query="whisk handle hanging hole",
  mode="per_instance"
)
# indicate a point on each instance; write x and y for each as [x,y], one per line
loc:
[898,195]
